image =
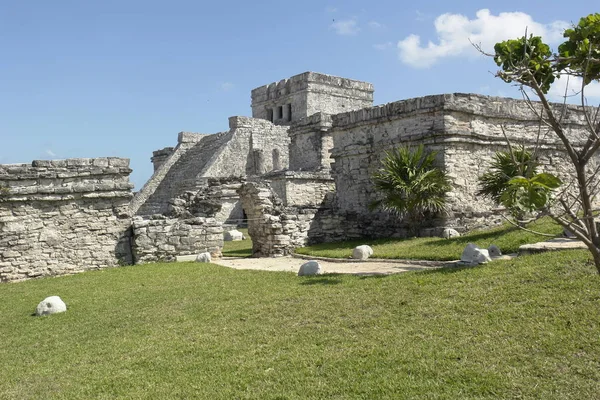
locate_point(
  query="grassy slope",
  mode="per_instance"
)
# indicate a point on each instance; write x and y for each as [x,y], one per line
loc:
[507,237]
[526,328]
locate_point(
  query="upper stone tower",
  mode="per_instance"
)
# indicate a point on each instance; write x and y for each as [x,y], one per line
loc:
[303,95]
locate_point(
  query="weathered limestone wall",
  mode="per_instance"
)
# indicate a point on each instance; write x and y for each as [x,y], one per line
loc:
[465,129]
[333,94]
[302,95]
[163,238]
[361,138]
[311,143]
[63,216]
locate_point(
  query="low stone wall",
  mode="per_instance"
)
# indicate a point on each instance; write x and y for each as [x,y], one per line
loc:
[163,239]
[64,216]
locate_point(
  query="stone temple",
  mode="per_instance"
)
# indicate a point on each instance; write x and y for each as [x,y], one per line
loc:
[298,171]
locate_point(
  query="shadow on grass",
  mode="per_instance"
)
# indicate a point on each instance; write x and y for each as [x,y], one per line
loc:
[470,238]
[322,280]
[237,253]
[373,275]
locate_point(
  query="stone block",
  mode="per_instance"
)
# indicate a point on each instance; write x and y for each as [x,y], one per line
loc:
[50,305]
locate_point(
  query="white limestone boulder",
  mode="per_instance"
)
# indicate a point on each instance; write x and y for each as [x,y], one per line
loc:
[362,252]
[494,251]
[204,257]
[50,305]
[473,255]
[450,233]
[232,235]
[310,268]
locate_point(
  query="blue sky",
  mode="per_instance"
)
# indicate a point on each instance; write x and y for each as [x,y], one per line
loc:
[121,78]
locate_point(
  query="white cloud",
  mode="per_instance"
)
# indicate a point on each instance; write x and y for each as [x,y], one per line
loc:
[227,86]
[383,46]
[421,16]
[50,153]
[331,9]
[346,27]
[455,33]
[375,25]
[571,86]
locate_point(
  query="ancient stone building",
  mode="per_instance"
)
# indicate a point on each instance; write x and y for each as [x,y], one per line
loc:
[299,169]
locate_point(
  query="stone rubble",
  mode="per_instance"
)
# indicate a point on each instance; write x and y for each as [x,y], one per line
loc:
[362,252]
[50,305]
[310,268]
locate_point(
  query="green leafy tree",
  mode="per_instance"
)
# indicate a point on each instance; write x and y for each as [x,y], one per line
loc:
[410,185]
[532,65]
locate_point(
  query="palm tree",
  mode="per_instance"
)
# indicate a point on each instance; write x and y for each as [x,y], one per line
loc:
[411,185]
[505,167]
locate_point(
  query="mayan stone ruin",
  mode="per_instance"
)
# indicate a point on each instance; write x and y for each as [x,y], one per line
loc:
[297,172]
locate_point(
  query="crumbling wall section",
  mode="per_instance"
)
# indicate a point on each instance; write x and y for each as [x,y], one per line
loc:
[64,216]
[163,238]
[216,197]
[276,229]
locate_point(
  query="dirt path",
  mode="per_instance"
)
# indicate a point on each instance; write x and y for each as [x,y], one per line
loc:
[291,264]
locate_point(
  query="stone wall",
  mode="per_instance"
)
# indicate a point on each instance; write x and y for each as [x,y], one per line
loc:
[464,129]
[163,239]
[300,188]
[64,216]
[311,143]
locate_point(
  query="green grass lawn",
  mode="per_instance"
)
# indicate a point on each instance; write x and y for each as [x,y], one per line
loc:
[525,328]
[239,248]
[507,237]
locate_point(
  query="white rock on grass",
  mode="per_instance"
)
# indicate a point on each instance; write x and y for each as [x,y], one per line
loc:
[232,235]
[450,233]
[50,305]
[494,251]
[204,257]
[473,255]
[362,252]
[310,268]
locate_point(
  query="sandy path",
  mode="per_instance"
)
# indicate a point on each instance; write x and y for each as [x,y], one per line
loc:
[291,264]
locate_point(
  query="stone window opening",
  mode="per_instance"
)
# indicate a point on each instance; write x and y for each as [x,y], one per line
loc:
[270,114]
[280,112]
[289,112]
[276,161]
